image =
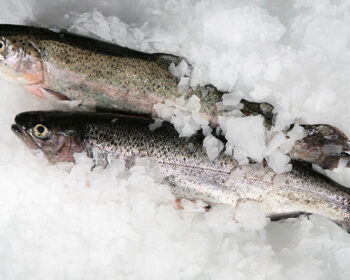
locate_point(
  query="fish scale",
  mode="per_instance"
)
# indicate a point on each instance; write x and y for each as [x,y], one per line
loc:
[110,77]
[184,165]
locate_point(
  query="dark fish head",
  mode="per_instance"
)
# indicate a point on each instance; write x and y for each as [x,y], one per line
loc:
[20,57]
[56,135]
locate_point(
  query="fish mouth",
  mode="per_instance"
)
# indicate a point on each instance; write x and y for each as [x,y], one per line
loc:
[17,130]
[24,136]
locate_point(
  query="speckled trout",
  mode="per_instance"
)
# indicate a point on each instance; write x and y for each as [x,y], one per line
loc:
[111,77]
[107,76]
[184,165]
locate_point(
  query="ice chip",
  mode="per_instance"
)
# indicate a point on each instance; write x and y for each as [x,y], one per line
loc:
[273,70]
[277,140]
[193,103]
[180,70]
[212,146]
[230,99]
[157,123]
[279,162]
[251,215]
[246,135]
[297,133]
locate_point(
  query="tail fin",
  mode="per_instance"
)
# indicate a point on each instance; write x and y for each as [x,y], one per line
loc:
[324,145]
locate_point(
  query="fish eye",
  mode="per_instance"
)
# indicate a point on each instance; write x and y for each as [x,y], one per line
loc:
[2,46]
[41,131]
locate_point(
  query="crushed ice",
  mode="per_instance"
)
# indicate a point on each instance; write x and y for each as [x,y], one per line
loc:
[66,222]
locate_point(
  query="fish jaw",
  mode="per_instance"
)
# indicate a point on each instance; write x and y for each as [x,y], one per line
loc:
[24,75]
[24,137]
[21,62]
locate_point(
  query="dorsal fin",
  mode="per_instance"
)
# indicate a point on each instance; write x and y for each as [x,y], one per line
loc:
[167,59]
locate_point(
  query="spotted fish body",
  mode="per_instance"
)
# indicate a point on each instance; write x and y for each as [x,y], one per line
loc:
[111,77]
[184,165]
[101,74]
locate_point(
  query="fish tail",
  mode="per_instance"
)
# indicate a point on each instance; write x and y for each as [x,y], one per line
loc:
[333,161]
[324,145]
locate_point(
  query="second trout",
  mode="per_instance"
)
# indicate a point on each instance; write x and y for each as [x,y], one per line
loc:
[183,163]
[105,75]
[115,78]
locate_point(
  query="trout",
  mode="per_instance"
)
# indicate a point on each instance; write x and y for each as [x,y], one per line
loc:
[108,76]
[115,78]
[185,167]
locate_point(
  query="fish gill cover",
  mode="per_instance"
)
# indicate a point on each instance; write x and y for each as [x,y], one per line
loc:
[66,222]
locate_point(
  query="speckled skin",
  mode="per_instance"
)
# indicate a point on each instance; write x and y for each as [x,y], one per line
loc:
[101,74]
[111,77]
[187,169]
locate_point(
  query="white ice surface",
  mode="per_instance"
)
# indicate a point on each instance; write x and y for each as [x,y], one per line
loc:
[65,222]
[246,137]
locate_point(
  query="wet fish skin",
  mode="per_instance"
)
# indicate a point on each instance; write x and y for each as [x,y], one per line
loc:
[105,75]
[112,77]
[185,166]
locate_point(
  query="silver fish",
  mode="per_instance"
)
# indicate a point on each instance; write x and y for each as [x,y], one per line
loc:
[113,77]
[185,166]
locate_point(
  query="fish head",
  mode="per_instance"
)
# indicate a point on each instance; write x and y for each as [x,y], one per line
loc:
[56,136]
[20,58]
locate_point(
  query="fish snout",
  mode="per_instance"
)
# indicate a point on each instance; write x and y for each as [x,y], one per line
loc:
[17,130]
[26,120]
[24,136]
